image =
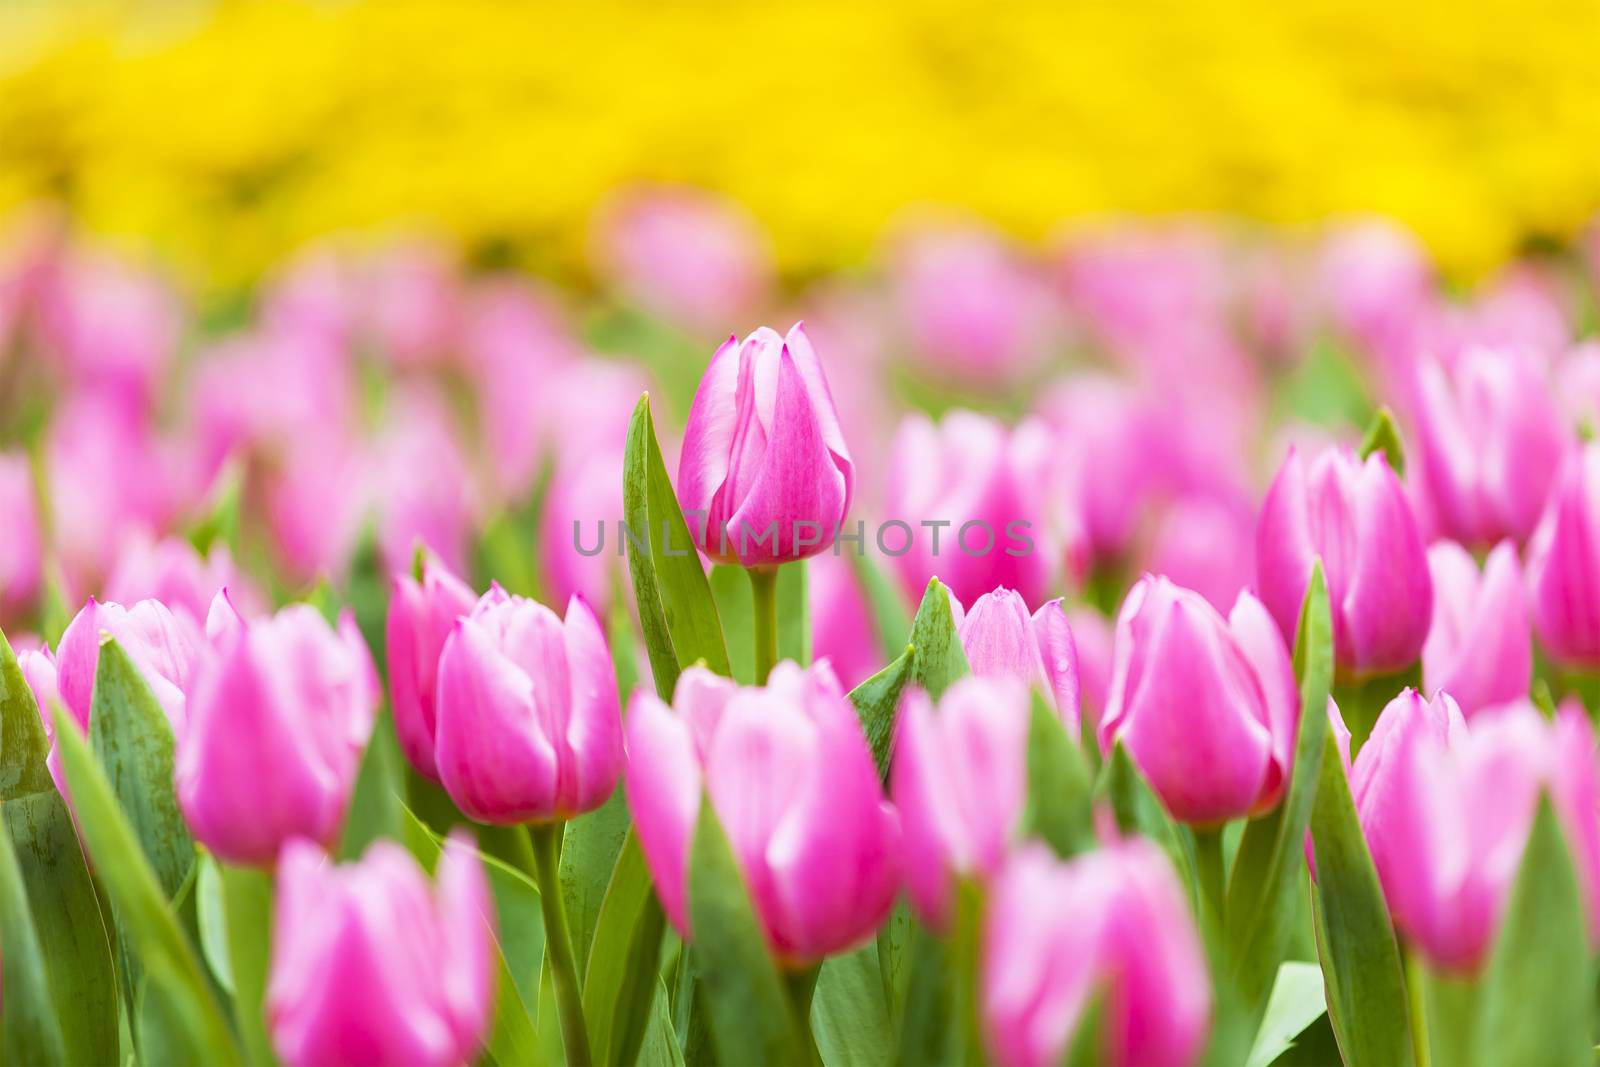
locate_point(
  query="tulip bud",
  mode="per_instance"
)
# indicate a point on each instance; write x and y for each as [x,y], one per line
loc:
[173,572]
[790,776]
[1353,514]
[1113,924]
[959,782]
[764,468]
[163,647]
[421,616]
[1480,646]
[1490,441]
[972,495]
[1447,810]
[279,715]
[1001,640]
[371,964]
[527,724]
[1564,564]
[1204,542]
[1207,707]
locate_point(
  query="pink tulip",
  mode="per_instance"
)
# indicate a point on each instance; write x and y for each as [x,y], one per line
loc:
[1205,542]
[316,499]
[280,714]
[21,541]
[163,647]
[581,509]
[1353,514]
[1135,286]
[1112,924]
[794,785]
[1093,636]
[114,325]
[1002,640]
[1375,276]
[172,571]
[1480,646]
[841,620]
[1564,564]
[1207,707]
[371,964]
[959,783]
[315,296]
[421,617]
[423,483]
[527,722]
[1447,809]
[1490,441]
[412,303]
[974,498]
[764,468]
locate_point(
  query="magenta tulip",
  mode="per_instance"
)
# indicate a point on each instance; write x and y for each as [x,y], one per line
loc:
[1564,564]
[790,776]
[1094,638]
[1002,640]
[1447,809]
[1112,924]
[280,714]
[421,616]
[1354,515]
[1480,646]
[1207,707]
[764,476]
[371,964]
[1489,443]
[973,499]
[959,783]
[528,726]
[172,571]
[1205,542]
[163,647]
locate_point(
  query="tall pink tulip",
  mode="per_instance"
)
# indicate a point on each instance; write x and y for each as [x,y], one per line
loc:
[1489,443]
[1480,646]
[1563,564]
[527,726]
[1206,706]
[1113,924]
[279,714]
[1447,809]
[1353,513]
[974,497]
[794,784]
[164,648]
[371,964]
[421,616]
[1002,640]
[764,464]
[959,783]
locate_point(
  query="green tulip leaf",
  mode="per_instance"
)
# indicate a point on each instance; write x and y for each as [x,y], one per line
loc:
[1060,788]
[1138,810]
[32,1033]
[621,977]
[23,744]
[1296,1003]
[938,659]
[589,850]
[848,1012]
[661,1047]
[376,808]
[877,700]
[1383,436]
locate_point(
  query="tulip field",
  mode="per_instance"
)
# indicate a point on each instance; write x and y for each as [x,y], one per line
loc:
[1170,642]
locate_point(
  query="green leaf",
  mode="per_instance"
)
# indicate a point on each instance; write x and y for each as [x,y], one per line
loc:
[676,610]
[1138,810]
[132,741]
[621,976]
[1539,982]
[23,744]
[1361,963]
[1060,789]
[1263,904]
[211,911]
[661,1047]
[938,658]
[66,917]
[1295,1004]
[877,700]
[247,911]
[143,912]
[848,1013]
[376,809]
[794,614]
[925,1024]
[1383,436]
[751,1019]
[589,851]
[31,1033]
[891,622]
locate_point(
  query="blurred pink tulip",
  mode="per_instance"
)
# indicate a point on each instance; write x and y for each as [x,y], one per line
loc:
[1134,285]
[959,783]
[1523,309]
[693,258]
[422,483]
[421,616]
[21,540]
[1577,387]
[790,776]
[1374,276]
[172,571]
[412,303]
[1206,542]
[528,726]
[841,620]
[1480,646]
[1112,924]
[163,647]
[314,297]
[279,716]
[1002,640]
[315,498]
[1489,443]
[115,326]
[1207,707]
[1354,515]
[1563,564]
[1092,635]
[974,498]
[1447,809]
[764,466]
[371,964]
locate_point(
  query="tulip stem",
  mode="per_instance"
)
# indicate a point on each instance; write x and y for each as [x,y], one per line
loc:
[1210,875]
[541,847]
[1417,993]
[801,985]
[764,588]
